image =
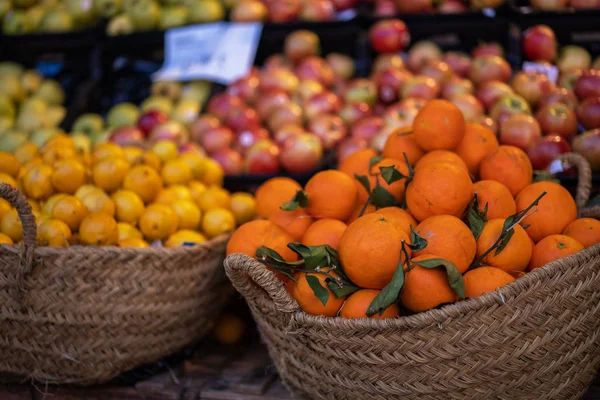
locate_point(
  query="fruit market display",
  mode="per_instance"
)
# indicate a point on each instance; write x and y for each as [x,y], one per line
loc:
[408,230]
[391,8]
[556,5]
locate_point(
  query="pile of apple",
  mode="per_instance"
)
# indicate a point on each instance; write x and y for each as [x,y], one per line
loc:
[39,16]
[31,107]
[129,16]
[390,8]
[564,4]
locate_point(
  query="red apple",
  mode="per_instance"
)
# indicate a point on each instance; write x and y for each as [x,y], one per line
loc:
[315,68]
[322,103]
[487,49]
[329,128]
[520,130]
[573,57]
[531,86]
[230,160]
[490,92]
[246,88]
[421,52]
[438,70]
[422,87]
[217,139]
[414,6]
[307,89]
[488,123]
[399,115]
[267,102]
[389,82]
[560,95]
[458,62]
[149,120]
[289,113]
[301,44]
[568,79]
[412,104]
[378,141]
[282,11]
[539,43]
[549,4]
[262,158]
[354,112]
[389,36]
[588,145]
[452,7]
[246,138]
[509,105]
[471,108]
[242,118]
[301,153]
[386,61]
[489,68]
[588,112]
[341,5]
[350,146]
[249,11]
[204,123]
[191,147]
[341,65]
[384,8]
[366,128]
[456,86]
[317,10]
[278,79]
[557,119]
[361,90]
[127,136]
[276,61]
[170,130]
[588,84]
[546,149]
[286,132]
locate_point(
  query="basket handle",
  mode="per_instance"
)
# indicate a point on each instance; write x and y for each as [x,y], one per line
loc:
[255,282]
[584,184]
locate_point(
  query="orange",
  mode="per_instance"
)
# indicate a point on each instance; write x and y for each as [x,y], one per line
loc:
[27,152]
[55,154]
[369,250]
[133,243]
[449,238]
[35,206]
[4,207]
[552,248]
[151,160]
[49,204]
[184,236]
[401,218]
[484,280]
[176,172]
[498,198]
[324,231]
[243,207]
[508,165]
[165,150]
[439,125]
[182,192]
[129,207]
[254,234]
[196,164]
[478,143]
[442,156]
[9,164]
[396,189]
[273,193]
[68,176]
[331,194]
[53,232]
[11,226]
[99,202]
[218,221]
[358,303]
[144,181]
[85,190]
[9,180]
[133,154]
[109,173]
[514,257]
[99,229]
[158,222]
[585,230]
[309,303]
[439,188]
[213,173]
[196,189]
[400,142]
[127,231]
[70,210]
[59,141]
[107,150]
[37,182]
[555,211]
[4,239]
[357,162]
[358,208]
[214,197]
[189,214]
[294,222]
[426,288]
[166,196]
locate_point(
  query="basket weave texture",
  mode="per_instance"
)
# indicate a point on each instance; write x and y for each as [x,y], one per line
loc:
[537,338]
[86,314]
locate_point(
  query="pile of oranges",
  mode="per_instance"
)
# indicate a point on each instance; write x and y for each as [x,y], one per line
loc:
[444,213]
[119,196]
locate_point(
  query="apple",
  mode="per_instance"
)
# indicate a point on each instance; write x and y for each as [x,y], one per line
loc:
[389,82]
[149,120]
[221,105]
[378,141]
[230,160]
[289,113]
[588,84]
[354,112]
[519,130]
[452,7]
[546,149]
[487,49]
[206,11]
[421,52]
[262,158]
[278,79]
[456,86]
[422,87]
[341,65]
[413,104]
[330,129]
[350,146]
[488,123]
[399,115]
[341,5]
[588,145]
[387,61]
[307,89]
[301,153]
[582,4]
[242,118]
[490,92]
[217,139]
[170,130]
[458,62]
[508,105]
[282,11]
[531,86]
[126,136]
[317,10]
[438,70]
[489,68]
[573,57]
[389,36]
[191,147]
[384,8]
[201,125]
[366,128]
[468,104]
[567,80]
[267,102]
[246,88]
[301,44]
[322,103]
[316,68]
[249,11]
[414,6]
[286,132]
[549,4]
[588,112]
[539,43]
[557,119]
[559,95]
[246,138]
[276,61]
[361,90]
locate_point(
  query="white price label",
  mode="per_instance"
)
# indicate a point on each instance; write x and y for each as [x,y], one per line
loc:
[221,52]
[549,70]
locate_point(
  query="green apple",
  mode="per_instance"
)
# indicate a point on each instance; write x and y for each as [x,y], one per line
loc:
[120,25]
[186,111]
[51,91]
[202,11]
[10,85]
[169,89]
[197,90]
[88,124]
[108,8]
[5,7]
[24,3]
[10,68]
[12,140]
[100,137]
[172,17]
[36,15]
[17,22]
[29,121]
[7,107]
[57,21]
[83,12]
[163,104]
[83,143]
[124,114]
[55,115]
[31,81]
[34,105]
[145,15]
[42,135]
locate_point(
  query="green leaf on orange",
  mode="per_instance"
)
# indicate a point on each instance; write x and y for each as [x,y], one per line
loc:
[382,198]
[417,243]
[300,199]
[389,294]
[455,278]
[320,292]
[391,174]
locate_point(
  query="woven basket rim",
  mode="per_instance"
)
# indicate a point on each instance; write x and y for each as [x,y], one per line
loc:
[435,316]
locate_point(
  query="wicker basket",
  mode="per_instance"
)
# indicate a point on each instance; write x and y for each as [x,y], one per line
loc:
[86,314]
[537,338]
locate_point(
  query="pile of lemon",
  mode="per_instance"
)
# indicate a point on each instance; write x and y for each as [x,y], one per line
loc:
[119,196]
